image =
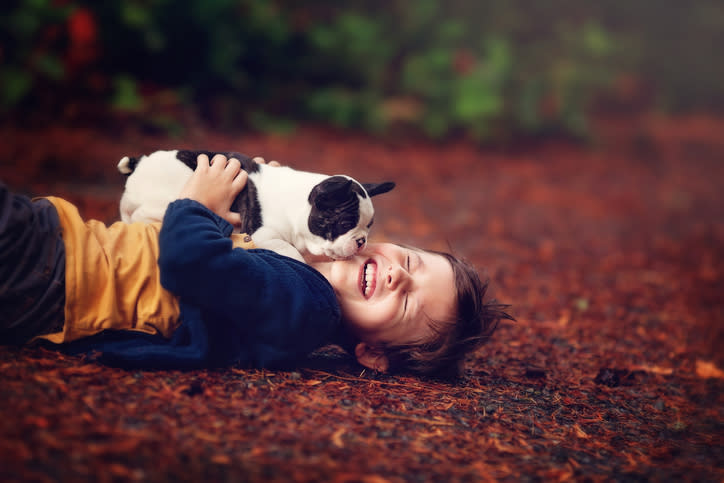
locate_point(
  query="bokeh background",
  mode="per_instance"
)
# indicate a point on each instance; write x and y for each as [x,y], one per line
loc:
[489,70]
[572,150]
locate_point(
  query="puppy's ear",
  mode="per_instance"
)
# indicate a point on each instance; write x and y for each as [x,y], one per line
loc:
[374,189]
[332,192]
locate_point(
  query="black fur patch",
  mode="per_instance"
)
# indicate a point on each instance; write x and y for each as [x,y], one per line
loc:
[374,189]
[189,159]
[247,202]
[335,207]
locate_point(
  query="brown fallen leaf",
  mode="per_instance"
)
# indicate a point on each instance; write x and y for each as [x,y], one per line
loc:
[337,438]
[708,370]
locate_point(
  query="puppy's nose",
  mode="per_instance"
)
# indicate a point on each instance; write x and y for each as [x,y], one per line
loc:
[361,242]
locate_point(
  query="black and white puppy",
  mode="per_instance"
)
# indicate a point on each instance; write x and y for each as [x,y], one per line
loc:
[285,210]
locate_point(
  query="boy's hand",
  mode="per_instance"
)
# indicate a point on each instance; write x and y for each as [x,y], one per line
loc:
[215,184]
[261,160]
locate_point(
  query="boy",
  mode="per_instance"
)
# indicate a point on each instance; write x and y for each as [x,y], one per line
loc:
[207,302]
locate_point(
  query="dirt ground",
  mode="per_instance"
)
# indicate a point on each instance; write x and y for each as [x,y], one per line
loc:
[612,256]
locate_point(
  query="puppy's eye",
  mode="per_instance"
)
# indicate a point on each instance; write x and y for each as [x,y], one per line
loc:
[369,225]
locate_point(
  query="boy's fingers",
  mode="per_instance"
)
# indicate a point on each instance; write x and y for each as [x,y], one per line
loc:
[239,181]
[202,161]
[233,166]
[218,161]
[233,218]
[261,160]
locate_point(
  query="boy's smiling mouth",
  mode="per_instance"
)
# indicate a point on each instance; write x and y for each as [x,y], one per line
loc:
[368,278]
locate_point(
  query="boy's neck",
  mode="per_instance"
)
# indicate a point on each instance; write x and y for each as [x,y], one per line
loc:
[320,263]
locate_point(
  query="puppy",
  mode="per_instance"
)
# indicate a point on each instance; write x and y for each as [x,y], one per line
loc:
[289,211]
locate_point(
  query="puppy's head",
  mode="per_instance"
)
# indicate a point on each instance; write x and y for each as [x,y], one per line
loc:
[341,215]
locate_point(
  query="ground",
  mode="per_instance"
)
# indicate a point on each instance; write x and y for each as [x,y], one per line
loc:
[610,253]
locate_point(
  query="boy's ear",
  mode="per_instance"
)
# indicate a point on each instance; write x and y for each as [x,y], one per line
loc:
[371,357]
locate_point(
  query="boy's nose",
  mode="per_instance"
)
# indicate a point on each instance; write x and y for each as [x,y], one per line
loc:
[397,277]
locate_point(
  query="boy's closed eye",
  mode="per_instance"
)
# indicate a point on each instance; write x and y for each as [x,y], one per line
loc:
[407,294]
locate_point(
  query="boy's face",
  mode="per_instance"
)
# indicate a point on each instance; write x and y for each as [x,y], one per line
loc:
[388,293]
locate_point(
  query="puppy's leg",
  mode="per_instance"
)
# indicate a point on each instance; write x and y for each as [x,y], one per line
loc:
[148,213]
[127,208]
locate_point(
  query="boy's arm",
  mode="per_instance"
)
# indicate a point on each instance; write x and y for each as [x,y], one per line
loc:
[195,251]
[199,264]
[276,307]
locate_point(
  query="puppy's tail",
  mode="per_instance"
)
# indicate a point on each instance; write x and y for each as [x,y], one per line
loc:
[126,165]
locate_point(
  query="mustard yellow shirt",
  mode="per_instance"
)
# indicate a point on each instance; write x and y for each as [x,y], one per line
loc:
[112,279]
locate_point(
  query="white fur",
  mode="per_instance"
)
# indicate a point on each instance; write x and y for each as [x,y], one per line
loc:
[156,182]
[283,196]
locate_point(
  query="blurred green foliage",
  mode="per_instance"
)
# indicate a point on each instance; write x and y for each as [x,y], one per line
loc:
[25,56]
[486,69]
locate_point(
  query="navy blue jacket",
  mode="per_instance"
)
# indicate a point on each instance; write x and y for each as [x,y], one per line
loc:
[250,307]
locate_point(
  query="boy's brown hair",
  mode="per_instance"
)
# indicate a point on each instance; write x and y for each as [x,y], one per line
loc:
[475,322]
